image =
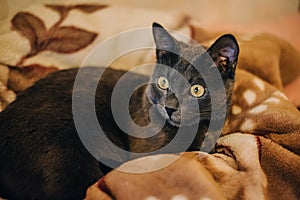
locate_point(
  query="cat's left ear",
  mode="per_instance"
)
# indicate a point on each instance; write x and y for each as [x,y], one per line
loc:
[224,53]
[165,43]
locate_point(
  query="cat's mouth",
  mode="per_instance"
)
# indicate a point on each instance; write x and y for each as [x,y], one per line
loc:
[175,118]
[171,115]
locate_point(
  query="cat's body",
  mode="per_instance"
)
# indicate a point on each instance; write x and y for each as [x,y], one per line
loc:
[43,146]
[42,156]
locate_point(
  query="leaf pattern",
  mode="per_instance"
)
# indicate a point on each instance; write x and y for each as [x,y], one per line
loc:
[68,39]
[62,10]
[30,27]
[89,8]
[60,39]
[86,8]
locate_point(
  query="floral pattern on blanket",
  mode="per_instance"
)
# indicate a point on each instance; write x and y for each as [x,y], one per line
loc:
[58,38]
[61,39]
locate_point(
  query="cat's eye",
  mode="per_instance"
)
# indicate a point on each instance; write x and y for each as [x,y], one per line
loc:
[197,90]
[163,83]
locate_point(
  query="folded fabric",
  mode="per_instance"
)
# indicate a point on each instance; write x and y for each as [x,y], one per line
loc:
[244,167]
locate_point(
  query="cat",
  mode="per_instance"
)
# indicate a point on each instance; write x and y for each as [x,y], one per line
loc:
[42,156]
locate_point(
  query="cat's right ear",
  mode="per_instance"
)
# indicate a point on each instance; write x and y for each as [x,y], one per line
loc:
[165,43]
[224,53]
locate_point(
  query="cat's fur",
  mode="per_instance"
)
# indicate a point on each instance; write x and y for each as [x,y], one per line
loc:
[42,156]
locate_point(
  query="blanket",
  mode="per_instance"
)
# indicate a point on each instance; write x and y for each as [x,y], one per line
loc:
[258,155]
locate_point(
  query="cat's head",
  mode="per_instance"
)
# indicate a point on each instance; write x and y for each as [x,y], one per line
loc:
[176,80]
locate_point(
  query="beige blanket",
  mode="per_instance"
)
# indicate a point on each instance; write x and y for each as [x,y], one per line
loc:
[258,155]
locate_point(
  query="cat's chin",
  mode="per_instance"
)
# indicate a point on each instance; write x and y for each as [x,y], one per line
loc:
[173,123]
[177,121]
[169,119]
[181,124]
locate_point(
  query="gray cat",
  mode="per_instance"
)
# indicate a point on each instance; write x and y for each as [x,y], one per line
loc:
[42,156]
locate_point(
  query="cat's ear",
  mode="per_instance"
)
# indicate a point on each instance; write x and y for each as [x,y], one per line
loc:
[224,53]
[164,42]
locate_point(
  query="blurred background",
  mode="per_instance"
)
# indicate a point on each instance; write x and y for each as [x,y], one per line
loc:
[280,17]
[210,11]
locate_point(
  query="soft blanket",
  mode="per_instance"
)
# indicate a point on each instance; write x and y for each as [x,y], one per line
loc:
[258,155]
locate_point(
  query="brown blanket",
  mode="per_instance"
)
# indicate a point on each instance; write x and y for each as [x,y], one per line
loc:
[245,167]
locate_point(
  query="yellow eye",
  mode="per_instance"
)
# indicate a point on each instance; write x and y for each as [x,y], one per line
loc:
[163,83]
[197,90]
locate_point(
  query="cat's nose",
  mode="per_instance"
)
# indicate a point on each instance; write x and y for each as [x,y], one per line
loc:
[170,111]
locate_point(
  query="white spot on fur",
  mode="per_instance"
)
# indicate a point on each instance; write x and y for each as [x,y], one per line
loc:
[151,198]
[272,100]
[249,96]
[248,125]
[280,94]
[236,109]
[258,109]
[259,83]
[179,197]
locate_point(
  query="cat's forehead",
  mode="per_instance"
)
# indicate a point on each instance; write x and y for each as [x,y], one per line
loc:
[190,51]
[193,57]
[190,60]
